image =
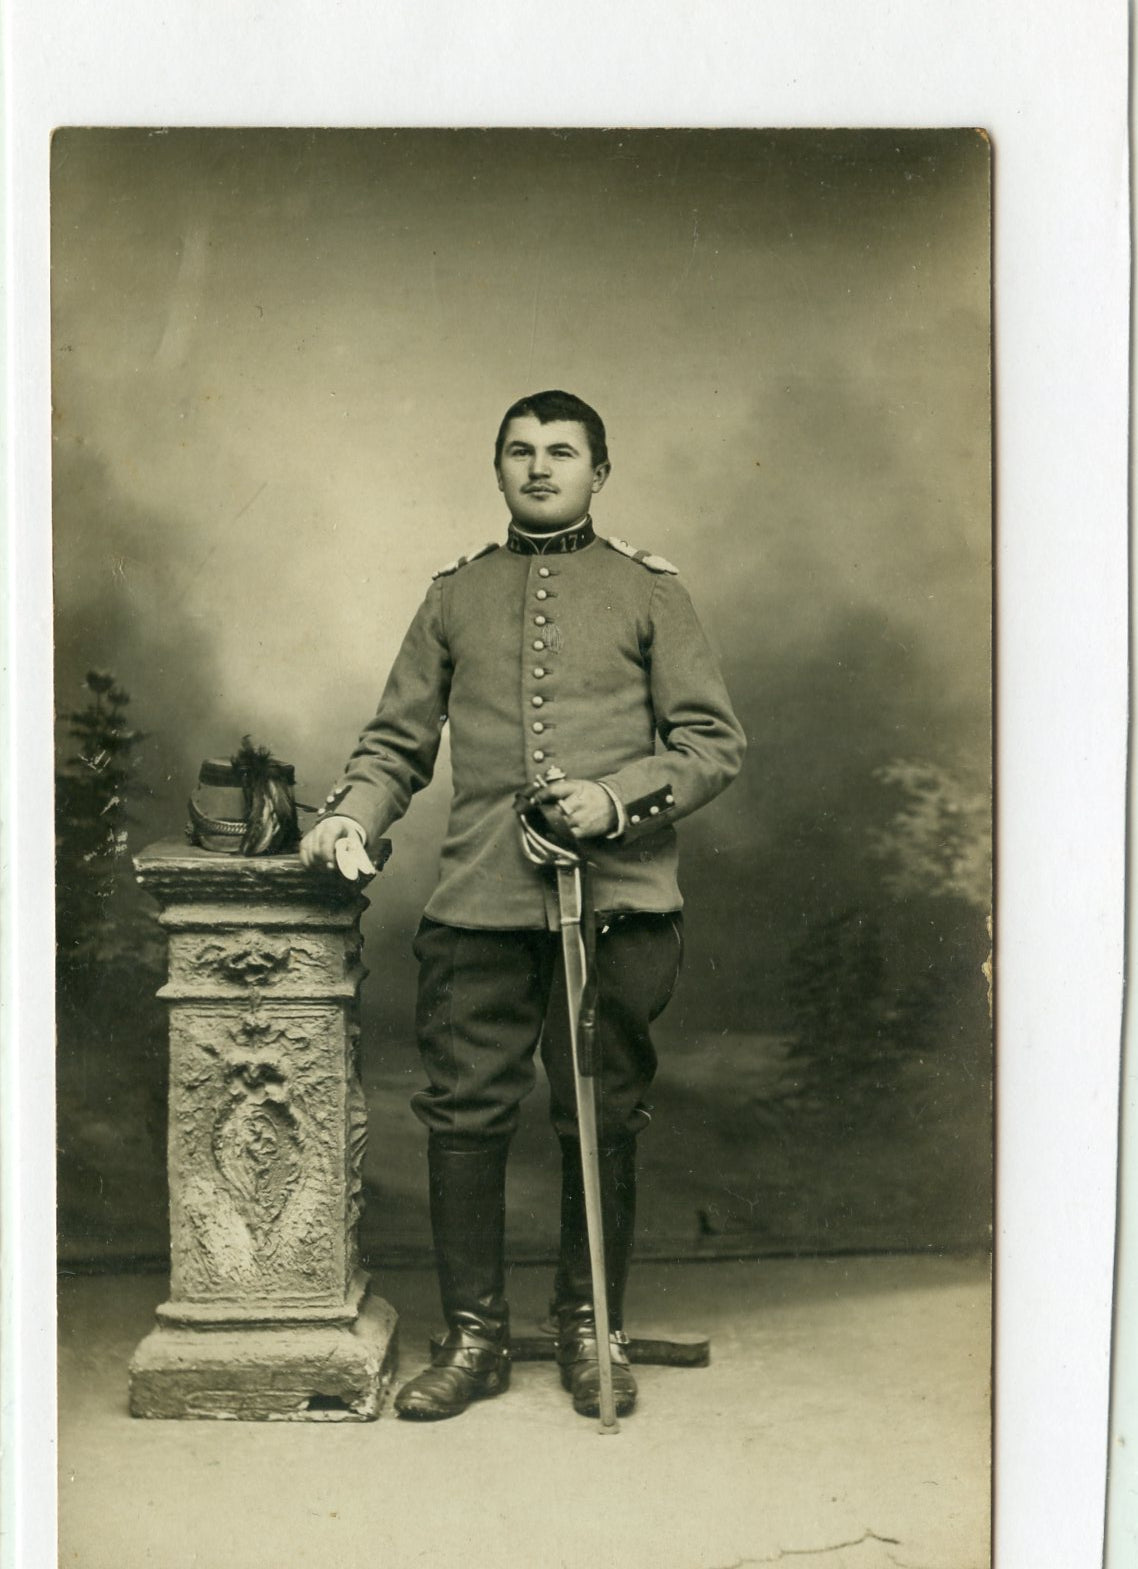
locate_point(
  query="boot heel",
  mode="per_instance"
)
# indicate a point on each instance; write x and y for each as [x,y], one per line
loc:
[498,1382]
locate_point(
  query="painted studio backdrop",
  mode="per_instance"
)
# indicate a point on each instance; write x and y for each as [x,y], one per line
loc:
[280,359]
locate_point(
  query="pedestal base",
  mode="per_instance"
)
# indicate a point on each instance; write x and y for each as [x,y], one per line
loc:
[268,1373]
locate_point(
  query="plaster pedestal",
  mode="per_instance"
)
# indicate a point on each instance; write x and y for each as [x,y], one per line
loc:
[269,1314]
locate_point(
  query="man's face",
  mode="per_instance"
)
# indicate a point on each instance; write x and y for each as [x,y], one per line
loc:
[546,472]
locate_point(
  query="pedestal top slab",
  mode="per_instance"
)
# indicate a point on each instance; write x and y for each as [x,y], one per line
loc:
[172,870]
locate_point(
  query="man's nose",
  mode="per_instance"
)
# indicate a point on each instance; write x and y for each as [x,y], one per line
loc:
[538,465]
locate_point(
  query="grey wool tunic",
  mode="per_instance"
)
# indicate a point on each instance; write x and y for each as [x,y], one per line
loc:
[588,659]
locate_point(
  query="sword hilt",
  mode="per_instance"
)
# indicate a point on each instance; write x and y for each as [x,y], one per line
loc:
[546,841]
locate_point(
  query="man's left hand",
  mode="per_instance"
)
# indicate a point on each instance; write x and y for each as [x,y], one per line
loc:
[588,809]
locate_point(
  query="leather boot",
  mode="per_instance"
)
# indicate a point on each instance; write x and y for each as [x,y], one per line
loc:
[468,1217]
[572,1304]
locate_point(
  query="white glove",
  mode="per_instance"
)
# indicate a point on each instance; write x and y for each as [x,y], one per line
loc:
[340,843]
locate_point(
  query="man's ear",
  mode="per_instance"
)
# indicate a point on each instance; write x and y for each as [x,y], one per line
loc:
[498,477]
[600,474]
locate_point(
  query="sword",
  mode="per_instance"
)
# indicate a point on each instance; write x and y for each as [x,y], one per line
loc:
[545,844]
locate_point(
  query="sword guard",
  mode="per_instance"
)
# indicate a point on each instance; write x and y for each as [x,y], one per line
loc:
[546,840]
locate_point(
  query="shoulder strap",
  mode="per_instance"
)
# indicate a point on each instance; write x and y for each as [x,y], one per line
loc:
[462,561]
[653,563]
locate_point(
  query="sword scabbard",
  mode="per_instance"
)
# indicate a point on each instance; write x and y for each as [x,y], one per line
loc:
[578,943]
[587,1043]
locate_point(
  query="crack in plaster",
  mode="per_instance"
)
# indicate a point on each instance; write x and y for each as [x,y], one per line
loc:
[805,1552]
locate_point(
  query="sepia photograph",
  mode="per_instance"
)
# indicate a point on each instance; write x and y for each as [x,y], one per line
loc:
[523,681]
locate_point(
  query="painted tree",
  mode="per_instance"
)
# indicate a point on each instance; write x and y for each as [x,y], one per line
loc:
[94,787]
[111,1057]
[938,842]
[866,984]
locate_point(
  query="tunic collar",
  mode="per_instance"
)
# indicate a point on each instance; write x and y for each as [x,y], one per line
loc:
[565,540]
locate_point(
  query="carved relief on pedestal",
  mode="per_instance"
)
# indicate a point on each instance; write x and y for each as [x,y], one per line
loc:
[357,1140]
[258,1133]
[258,1147]
[243,959]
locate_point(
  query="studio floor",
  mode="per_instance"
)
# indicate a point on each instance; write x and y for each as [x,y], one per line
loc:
[843,1423]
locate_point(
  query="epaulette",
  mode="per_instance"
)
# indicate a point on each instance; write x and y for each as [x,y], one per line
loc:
[463,560]
[653,563]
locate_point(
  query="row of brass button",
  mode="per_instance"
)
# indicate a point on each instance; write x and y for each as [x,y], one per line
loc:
[539,671]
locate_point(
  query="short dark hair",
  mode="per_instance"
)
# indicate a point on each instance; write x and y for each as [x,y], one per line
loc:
[554,405]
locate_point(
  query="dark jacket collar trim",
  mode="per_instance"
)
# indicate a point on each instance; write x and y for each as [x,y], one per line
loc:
[560,544]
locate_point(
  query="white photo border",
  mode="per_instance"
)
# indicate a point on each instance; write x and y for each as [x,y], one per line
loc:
[1048,82]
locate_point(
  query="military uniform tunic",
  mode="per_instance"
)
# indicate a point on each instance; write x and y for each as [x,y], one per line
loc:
[573,653]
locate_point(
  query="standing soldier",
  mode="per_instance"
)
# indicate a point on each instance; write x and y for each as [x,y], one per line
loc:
[560,660]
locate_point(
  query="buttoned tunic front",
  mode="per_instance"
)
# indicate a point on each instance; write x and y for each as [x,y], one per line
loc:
[582,659]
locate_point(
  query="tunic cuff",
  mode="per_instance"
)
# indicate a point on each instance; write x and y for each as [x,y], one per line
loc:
[621,814]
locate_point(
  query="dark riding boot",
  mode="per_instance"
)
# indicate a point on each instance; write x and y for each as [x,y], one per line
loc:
[572,1304]
[468,1217]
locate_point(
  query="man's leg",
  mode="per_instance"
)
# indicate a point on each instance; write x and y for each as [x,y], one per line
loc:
[638,962]
[482,995]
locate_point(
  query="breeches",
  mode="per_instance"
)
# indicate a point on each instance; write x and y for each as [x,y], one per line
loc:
[488,998]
